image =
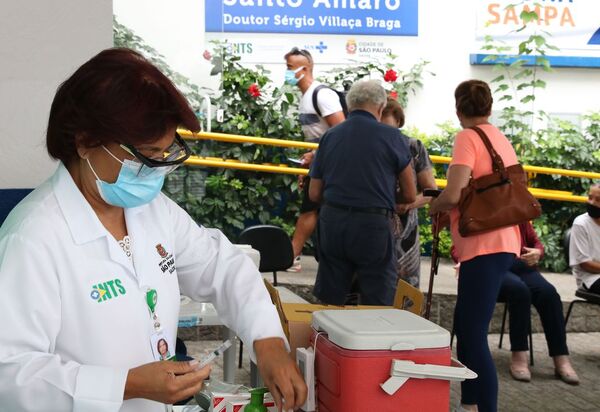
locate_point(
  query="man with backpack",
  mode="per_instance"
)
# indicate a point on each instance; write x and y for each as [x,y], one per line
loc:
[320,109]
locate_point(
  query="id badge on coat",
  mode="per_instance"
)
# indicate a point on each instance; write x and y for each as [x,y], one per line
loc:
[163,346]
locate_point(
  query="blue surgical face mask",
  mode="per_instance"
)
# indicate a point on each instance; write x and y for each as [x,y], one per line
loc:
[290,76]
[131,188]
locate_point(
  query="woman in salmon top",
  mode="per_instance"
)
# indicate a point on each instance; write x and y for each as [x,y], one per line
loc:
[484,258]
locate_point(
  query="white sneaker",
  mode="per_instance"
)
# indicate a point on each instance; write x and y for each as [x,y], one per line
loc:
[296,266]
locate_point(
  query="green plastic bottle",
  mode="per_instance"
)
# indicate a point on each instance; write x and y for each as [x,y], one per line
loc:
[257,397]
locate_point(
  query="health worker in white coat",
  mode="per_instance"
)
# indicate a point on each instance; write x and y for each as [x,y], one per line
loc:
[92,262]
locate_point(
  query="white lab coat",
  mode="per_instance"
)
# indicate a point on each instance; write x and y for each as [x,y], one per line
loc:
[62,347]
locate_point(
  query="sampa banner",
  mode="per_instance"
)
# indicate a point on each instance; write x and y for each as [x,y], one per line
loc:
[364,17]
[573,25]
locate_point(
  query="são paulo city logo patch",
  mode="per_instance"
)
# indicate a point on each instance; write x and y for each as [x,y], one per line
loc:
[167,262]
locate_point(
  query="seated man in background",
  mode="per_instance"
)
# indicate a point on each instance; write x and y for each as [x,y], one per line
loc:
[584,246]
[354,175]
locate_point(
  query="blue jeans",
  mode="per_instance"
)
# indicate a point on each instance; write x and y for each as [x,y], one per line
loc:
[478,285]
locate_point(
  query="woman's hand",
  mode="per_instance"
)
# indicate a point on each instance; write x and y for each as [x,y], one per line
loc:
[458,178]
[442,220]
[280,373]
[402,208]
[165,381]
[531,257]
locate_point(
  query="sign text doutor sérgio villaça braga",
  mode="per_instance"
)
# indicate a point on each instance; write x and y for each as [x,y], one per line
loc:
[368,17]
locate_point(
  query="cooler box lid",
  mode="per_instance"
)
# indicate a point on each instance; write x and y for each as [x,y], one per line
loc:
[380,329]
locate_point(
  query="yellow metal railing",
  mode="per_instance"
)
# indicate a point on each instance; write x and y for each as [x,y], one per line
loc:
[284,168]
[236,164]
[548,194]
[234,138]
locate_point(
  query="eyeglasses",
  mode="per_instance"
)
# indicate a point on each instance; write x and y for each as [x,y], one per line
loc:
[171,158]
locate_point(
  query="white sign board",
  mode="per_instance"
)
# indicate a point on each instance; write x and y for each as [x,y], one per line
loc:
[573,27]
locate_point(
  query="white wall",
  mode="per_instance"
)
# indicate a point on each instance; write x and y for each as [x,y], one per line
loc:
[175,29]
[447,37]
[43,42]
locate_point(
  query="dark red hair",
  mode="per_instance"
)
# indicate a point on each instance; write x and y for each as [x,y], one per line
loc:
[474,98]
[116,96]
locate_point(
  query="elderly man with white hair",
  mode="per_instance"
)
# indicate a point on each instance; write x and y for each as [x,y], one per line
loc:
[354,176]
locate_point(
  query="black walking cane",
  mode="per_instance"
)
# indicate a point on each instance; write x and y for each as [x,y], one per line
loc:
[435,255]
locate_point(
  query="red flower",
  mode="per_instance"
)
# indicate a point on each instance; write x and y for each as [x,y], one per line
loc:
[394,94]
[254,90]
[390,76]
[207,55]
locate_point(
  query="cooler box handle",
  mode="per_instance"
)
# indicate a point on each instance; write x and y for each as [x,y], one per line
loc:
[403,370]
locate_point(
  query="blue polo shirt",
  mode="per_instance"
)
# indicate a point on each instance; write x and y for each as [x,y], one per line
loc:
[359,161]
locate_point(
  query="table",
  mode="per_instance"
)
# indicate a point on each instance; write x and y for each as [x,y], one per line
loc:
[287,296]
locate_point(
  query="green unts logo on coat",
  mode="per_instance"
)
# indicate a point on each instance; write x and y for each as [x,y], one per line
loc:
[107,290]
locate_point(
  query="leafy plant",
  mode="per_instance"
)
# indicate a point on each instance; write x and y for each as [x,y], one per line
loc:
[253,106]
[519,79]
[399,84]
[562,145]
[426,235]
[559,145]
[125,37]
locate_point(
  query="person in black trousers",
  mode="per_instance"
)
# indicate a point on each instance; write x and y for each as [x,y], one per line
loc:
[523,286]
[354,177]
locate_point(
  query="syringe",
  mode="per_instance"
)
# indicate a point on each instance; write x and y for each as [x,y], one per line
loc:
[213,355]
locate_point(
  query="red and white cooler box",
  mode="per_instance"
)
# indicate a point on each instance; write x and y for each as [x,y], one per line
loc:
[382,360]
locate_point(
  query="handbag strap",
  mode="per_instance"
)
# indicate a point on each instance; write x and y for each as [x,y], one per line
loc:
[497,162]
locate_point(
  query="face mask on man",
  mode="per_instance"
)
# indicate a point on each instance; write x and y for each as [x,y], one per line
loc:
[130,189]
[290,76]
[593,211]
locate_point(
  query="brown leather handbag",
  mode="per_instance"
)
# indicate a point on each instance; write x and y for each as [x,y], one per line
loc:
[497,200]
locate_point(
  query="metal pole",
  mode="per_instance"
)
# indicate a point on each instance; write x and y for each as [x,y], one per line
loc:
[435,258]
